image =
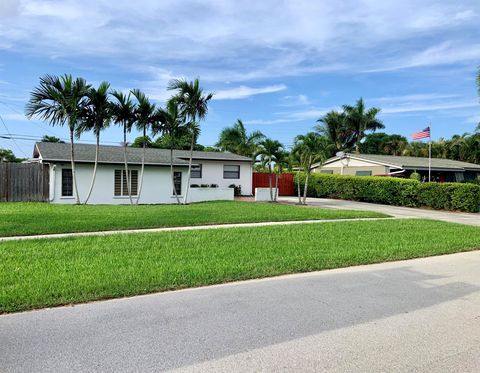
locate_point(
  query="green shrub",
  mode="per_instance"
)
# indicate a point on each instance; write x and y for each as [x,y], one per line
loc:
[393,191]
[415,176]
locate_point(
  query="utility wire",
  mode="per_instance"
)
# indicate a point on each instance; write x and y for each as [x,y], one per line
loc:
[11,138]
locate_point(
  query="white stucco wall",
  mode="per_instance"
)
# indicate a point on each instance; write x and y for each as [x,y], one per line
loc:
[212,173]
[157,184]
[210,194]
[353,166]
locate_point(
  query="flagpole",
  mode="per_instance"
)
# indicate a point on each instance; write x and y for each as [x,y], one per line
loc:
[430,154]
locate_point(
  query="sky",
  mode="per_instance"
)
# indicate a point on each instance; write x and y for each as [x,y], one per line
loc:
[277,65]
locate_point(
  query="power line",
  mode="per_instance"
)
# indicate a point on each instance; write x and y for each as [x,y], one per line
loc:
[13,140]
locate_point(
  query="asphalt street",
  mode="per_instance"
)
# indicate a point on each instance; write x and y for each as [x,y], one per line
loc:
[420,315]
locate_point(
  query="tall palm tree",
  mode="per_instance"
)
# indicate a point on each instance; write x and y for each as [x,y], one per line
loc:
[172,124]
[194,105]
[333,125]
[395,145]
[359,120]
[268,150]
[312,149]
[60,100]
[145,117]
[282,161]
[235,139]
[296,158]
[123,114]
[96,118]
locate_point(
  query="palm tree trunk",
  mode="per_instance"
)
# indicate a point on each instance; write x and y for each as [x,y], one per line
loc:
[171,175]
[192,143]
[143,165]
[97,149]
[299,189]
[270,180]
[72,160]
[126,164]
[309,165]
[276,186]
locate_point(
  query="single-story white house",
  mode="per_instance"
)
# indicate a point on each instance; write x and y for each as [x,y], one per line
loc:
[222,169]
[443,170]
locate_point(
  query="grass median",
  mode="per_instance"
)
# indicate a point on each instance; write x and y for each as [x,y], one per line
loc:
[40,218]
[41,273]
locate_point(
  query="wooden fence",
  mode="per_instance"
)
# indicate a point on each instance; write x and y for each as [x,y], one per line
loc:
[286,185]
[24,182]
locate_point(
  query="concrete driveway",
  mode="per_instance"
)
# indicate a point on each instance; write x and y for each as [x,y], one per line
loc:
[419,315]
[405,212]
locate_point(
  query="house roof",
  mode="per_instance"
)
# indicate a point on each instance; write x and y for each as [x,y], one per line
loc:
[85,153]
[412,163]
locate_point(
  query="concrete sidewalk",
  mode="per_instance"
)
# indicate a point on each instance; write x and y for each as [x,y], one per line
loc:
[420,315]
[187,228]
[395,211]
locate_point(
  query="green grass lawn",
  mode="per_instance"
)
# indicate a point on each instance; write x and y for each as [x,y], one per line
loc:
[39,273]
[41,218]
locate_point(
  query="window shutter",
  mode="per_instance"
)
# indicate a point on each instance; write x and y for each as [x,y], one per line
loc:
[118,183]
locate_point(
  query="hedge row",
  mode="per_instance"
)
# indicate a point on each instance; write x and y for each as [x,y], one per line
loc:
[393,191]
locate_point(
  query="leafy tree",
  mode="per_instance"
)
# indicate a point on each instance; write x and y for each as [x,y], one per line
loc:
[123,114]
[395,145]
[311,148]
[6,155]
[60,101]
[96,118]
[236,140]
[181,143]
[359,119]
[333,126]
[193,103]
[140,141]
[269,151]
[47,138]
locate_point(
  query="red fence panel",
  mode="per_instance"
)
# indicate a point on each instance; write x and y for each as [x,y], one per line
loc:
[285,183]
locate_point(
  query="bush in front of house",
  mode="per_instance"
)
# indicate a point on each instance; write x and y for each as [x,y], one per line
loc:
[393,191]
[237,189]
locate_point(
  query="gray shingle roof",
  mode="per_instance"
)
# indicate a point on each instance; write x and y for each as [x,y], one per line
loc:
[415,162]
[85,153]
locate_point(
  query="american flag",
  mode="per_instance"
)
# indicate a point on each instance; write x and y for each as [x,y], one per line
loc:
[423,134]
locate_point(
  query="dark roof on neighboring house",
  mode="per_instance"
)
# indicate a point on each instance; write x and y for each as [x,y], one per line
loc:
[85,153]
[412,163]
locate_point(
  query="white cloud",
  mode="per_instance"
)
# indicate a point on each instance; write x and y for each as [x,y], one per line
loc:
[238,40]
[295,100]
[245,91]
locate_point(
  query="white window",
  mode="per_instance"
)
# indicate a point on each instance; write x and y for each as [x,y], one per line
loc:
[363,173]
[120,188]
[231,171]
[196,172]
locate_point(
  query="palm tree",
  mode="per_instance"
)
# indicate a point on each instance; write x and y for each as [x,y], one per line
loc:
[268,150]
[236,140]
[296,158]
[395,145]
[123,114]
[359,120]
[96,118]
[60,100]
[171,124]
[312,148]
[145,117]
[333,125]
[193,103]
[282,161]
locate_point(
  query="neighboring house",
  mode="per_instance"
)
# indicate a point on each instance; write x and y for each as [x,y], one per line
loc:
[443,170]
[222,169]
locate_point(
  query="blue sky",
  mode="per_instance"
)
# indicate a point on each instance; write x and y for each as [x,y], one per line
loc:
[277,65]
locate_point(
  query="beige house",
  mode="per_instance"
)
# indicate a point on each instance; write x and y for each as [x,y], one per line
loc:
[388,165]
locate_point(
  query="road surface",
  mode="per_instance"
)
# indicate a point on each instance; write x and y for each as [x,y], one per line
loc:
[420,315]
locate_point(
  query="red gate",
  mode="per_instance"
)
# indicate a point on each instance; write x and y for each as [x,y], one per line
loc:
[285,183]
